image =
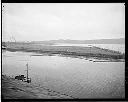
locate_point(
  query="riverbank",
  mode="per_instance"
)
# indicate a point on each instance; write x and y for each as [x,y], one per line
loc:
[16,89]
[76,51]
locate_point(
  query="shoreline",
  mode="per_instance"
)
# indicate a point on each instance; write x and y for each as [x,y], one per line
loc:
[16,89]
[97,56]
[69,51]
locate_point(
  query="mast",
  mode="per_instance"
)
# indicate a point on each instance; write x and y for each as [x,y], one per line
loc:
[27,71]
[28,79]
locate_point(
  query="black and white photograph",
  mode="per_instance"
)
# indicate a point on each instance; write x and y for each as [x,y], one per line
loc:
[63,51]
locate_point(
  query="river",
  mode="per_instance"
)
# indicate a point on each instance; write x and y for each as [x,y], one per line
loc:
[79,78]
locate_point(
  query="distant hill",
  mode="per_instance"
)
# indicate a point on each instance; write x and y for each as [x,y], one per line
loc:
[106,41]
[98,41]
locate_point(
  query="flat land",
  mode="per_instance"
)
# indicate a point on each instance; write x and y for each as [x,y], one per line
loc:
[76,51]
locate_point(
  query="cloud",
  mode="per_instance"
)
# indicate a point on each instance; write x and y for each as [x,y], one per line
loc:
[59,21]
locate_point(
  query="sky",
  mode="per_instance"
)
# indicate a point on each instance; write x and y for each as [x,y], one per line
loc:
[52,21]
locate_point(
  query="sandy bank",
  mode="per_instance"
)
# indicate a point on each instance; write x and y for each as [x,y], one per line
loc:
[16,89]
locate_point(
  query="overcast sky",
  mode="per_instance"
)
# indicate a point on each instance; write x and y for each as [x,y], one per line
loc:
[50,21]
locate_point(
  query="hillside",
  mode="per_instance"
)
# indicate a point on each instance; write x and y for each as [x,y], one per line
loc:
[98,41]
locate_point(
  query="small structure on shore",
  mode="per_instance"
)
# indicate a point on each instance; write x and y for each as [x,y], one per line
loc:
[23,78]
[4,45]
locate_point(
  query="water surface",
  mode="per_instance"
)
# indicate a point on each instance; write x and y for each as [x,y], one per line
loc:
[73,76]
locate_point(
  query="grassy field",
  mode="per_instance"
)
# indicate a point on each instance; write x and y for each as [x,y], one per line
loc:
[77,51]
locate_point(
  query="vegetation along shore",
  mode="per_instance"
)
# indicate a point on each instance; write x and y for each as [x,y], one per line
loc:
[76,51]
